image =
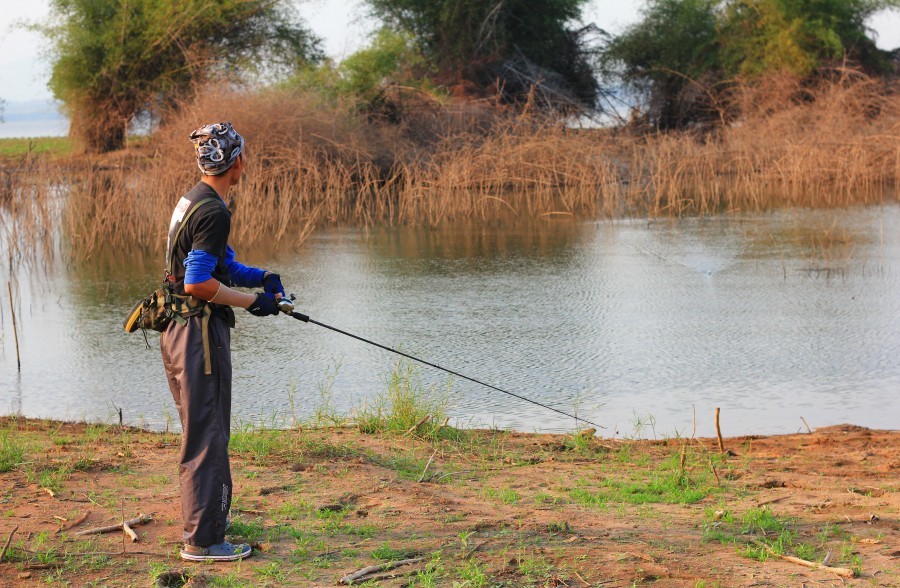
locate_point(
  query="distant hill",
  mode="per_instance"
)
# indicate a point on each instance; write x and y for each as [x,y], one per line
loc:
[33,118]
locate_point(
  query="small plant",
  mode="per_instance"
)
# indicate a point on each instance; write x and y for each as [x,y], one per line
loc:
[273,571]
[250,530]
[559,527]
[433,574]
[544,498]
[407,407]
[533,568]
[12,452]
[385,552]
[473,575]
[325,414]
[504,495]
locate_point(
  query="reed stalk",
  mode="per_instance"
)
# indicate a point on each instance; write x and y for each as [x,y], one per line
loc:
[314,164]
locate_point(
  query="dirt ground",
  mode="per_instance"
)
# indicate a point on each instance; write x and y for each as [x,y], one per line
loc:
[470,508]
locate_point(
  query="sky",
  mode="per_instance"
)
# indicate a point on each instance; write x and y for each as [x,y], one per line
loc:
[343,24]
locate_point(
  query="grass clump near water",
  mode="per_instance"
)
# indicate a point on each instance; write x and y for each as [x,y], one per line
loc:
[408,407]
[793,145]
[12,452]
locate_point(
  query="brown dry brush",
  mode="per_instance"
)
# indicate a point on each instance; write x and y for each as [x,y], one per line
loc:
[314,163]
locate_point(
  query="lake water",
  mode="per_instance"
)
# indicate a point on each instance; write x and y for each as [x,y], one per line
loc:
[635,325]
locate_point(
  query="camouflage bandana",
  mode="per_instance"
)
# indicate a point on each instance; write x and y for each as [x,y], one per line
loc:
[218,146]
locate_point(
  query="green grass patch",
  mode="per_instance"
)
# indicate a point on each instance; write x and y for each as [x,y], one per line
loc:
[504,495]
[22,146]
[248,530]
[663,486]
[12,452]
[758,533]
[473,575]
[385,552]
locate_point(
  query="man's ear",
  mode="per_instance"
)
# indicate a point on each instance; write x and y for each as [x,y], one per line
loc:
[237,169]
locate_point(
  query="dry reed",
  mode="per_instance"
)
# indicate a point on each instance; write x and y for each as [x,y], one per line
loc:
[315,164]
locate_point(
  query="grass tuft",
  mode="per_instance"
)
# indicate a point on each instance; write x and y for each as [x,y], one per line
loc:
[12,452]
[408,406]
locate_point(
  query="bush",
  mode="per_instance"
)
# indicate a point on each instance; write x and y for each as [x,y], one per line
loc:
[113,60]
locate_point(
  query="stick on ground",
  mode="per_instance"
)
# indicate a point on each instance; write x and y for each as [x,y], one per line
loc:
[8,541]
[843,572]
[142,519]
[425,471]
[350,578]
[130,532]
[74,524]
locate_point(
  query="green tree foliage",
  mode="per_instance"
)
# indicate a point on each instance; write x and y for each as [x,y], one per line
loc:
[506,44]
[113,59]
[391,57]
[683,53]
[670,56]
[798,36]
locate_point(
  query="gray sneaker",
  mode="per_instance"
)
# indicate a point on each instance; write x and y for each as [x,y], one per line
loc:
[224,551]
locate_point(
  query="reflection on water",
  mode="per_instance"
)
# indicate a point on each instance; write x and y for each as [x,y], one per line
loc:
[632,324]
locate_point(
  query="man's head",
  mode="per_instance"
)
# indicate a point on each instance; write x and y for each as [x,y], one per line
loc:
[218,147]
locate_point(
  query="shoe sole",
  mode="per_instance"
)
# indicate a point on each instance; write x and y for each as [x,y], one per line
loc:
[234,557]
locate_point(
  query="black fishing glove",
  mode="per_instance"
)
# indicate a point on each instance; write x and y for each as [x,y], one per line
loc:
[272,284]
[264,305]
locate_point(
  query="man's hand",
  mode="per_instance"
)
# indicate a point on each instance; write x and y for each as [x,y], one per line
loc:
[272,284]
[264,305]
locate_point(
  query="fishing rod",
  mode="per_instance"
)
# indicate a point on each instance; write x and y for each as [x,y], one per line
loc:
[287,308]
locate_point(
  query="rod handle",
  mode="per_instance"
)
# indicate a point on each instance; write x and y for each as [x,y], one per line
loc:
[300,316]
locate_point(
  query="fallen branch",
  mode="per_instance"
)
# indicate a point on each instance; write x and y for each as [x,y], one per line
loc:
[387,576]
[359,574]
[425,471]
[469,553]
[417,425]
[130,532]
[80,520]
[143,519]
[843,572]
[8,541]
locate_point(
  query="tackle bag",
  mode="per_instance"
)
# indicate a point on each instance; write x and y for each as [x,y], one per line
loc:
[163,305]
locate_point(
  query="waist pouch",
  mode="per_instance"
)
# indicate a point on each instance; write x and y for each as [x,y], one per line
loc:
[160,308]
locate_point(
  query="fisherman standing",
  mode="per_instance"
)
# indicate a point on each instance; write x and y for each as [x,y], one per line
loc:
[196,351]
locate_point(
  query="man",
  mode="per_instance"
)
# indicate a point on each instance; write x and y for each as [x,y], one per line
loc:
[196,351]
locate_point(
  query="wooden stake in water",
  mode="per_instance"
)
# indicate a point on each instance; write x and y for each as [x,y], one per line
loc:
[719,432]
[12,310]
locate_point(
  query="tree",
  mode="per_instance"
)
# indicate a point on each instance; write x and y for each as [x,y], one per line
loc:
[390,57]
[113,59]
[671,56]
[798,36]
[684,54]
[509,45]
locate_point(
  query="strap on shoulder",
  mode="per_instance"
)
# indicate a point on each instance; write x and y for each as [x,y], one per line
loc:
[170,255]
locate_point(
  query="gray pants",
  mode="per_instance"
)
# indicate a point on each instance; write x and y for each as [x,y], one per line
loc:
[204,406]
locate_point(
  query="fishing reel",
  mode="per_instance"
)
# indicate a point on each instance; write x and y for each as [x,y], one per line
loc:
[286,303]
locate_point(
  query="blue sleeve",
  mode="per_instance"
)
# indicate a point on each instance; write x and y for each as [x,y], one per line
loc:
[242,275]
[198,266]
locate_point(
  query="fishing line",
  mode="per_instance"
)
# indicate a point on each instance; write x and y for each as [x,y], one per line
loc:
[305,318]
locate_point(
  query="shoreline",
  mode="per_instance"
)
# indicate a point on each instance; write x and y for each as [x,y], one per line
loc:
[485,508]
